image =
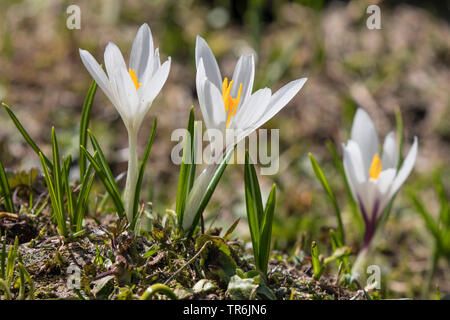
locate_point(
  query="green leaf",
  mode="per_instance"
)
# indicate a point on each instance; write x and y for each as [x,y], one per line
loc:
[210,190]
[231,229]
[187,168]
[141,172]
[5,190]
[318,269]
[103,163]
[321,177]
[253,204]
[66,185]
[400,136]
[81,203]
[53,198]
[26,136]
[266,231]
[115,196]
[84,124]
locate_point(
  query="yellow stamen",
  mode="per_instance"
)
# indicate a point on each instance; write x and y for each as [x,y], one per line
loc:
[230,103]
[376,167]
[134,78]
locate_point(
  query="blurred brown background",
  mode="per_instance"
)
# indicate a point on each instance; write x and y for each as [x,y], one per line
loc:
[406,64]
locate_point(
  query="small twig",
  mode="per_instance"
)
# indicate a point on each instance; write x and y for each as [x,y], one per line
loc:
[189,262]
[8,215]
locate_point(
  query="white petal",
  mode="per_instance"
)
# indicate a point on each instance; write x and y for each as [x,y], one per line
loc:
[244,73]
[113,60]
[96,72]
[353,166]
[365,134]
[279,100]
[142,50]
[384,184]
[214,105]
[390,152]
[253,108]
[127,92]
[154,86]
[203,51]
[406,168]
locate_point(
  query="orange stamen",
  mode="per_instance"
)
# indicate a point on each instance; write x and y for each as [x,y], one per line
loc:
[376,167]
[230,103]
[134,78]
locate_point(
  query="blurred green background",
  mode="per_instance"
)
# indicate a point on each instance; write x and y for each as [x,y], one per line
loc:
[406,64]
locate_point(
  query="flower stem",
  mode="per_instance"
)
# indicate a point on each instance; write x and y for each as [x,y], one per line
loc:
[132,175]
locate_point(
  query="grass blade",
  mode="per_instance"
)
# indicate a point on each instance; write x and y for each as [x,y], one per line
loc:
[66,186]
[115,196]
[317,267]
[266,231]
[400,136]
[187,169]
[5,190]
[103,162]
[84,124]
[210,190]
[81,203]
[252,208]
[53,198]
[26,136]
[321,177]
[141,171]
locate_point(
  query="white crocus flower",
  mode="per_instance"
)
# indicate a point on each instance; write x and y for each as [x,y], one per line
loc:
[231,108]
[231,105]
[131,90]
[373,180]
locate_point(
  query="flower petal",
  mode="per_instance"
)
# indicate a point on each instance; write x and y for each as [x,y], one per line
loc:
[279,100]
[203,51]
[253,108]
[142,51]
[113,60]
[244,73]
[406,168]
[365,134]
[96,72]
[154,86]
[390,152]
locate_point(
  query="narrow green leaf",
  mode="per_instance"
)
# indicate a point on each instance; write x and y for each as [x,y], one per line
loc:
[5,190]
[317,267]
[141,171]
[210,190]
[115,196]
[65,173]
[103,162]
[252,209]
[231,229]
[400,136]
[84,124]
[187,169]
[81,203]
[26,136]
[266,230]
[321,177]
[53,198]
[11,261]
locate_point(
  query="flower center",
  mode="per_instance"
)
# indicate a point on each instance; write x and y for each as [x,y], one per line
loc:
[376,167]
[134,78]
[230,103]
